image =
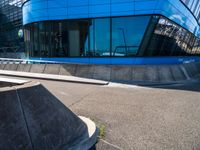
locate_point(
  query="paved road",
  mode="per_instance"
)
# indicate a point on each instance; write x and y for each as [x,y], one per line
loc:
[137,118]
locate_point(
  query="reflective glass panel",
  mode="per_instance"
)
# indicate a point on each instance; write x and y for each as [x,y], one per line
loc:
[100,37]
[127,34]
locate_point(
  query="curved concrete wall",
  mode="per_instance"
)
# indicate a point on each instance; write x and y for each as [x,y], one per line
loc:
[116,73]
[43,10]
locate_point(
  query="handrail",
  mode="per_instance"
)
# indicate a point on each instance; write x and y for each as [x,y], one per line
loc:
[126,48]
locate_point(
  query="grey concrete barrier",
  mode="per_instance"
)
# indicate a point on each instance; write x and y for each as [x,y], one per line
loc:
[67,69]
[118,73]
[14,134]
[139,73]
[198,69]
[12,67]
[165,73]
[191,69]
[102,72]
[2,66]
[177,73]
[32,118]
[37,68]
[85,71]
[152,74]
[121,73]
[52,69]
[24,67]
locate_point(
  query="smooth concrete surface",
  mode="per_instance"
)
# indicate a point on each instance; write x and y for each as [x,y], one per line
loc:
[52,69]
[32,118]
[24,67]
[85,71]
[118,73]
[2,66]
[68,69]
[165,74]
[164,117]
[102,72]
[52,77]
[152,74]
[192,70]
[121,73]
[177,73]
[37,68]
[139,73]
[13,81]
[12,67]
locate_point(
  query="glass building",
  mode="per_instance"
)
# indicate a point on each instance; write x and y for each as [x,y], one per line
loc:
[194,7]
[110,31]
[11,40]
[128,36]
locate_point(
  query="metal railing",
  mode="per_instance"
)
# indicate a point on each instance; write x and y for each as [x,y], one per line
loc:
[126,48]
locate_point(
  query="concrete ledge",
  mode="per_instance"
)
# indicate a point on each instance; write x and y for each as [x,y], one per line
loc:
[116,73]
[53,77]
[13,81]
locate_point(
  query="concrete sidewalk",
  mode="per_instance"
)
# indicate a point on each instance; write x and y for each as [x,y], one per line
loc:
[52,77]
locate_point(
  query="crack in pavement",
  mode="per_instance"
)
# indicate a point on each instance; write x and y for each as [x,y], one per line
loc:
[115,146]
[82,98]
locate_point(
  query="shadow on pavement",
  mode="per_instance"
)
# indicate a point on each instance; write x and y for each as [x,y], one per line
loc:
[185,86]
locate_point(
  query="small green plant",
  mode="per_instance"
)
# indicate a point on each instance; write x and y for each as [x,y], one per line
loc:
[102,131]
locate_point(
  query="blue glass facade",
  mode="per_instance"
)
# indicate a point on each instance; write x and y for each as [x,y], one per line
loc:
[194,7]
[41,10]
[111,28]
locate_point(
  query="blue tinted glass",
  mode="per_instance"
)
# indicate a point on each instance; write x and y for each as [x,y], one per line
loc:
[127,34]
[100,37]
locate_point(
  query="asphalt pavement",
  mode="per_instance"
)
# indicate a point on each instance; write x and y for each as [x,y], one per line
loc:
[159,117]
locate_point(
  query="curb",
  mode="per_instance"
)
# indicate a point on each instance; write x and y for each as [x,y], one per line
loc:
[53,77]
